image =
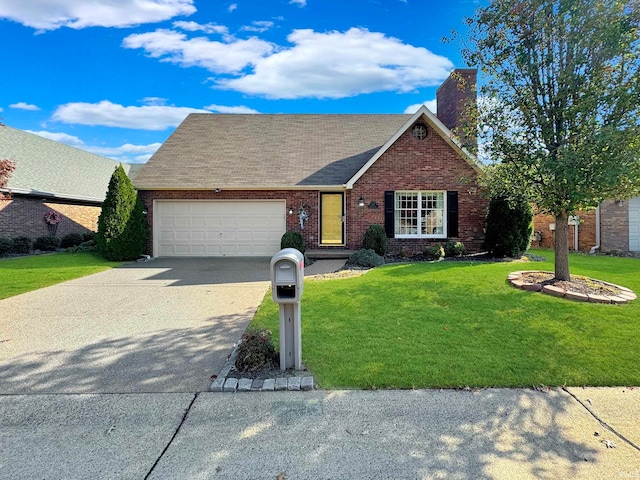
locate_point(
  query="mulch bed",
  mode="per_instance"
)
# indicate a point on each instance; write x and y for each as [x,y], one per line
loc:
[578,284]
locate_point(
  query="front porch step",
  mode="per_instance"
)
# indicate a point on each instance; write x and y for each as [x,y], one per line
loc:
[329,254]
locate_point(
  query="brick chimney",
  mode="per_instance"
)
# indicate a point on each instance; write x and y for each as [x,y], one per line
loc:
[452,97]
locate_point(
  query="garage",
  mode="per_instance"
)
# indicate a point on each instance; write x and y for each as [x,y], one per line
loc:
[239,228]
[634,224]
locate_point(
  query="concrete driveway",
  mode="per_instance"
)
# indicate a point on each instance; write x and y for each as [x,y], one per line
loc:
[165,325]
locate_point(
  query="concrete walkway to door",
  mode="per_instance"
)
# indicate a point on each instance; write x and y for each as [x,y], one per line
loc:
[165,325]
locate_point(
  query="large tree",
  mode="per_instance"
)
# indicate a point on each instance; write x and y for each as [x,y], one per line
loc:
[559,116]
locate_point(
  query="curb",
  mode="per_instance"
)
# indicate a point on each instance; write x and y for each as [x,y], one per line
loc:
[224,383]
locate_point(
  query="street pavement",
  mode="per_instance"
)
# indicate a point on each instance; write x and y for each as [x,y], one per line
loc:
[422,434]
[122,394]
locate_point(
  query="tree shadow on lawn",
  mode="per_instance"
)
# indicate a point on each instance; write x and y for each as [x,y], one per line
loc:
[494,433]
[169,360]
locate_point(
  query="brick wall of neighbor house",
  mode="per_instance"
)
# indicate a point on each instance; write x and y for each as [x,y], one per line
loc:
[413,164]
[614,226]
[586,231]
[294,199]
[24,216]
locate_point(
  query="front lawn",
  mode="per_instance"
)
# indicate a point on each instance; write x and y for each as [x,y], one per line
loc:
[23,274]
[457,324]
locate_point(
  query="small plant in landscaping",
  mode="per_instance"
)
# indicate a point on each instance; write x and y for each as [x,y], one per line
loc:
[375,239]
[256,351]
[292,240]
[435,252]
[454,249]
[47,244]
[366,258]
[21,245]
[6,245]
[71,240]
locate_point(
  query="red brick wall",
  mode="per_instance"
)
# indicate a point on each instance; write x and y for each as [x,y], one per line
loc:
[586,231]
[614,226]
[412,164]
[24,216]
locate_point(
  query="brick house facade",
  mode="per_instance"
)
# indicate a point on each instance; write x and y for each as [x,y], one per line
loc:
[408,165]
[610,228]
[23,216]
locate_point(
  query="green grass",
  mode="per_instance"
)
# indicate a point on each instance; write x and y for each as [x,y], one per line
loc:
[23,274]
[454,324]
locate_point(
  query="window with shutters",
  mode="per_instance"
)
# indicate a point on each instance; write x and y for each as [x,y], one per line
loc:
[420,214]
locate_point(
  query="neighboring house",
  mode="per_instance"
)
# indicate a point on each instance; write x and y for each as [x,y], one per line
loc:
[51,176]
[613,227]
[233,184]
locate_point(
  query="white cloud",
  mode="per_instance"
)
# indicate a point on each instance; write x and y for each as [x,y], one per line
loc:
[432,105]
[198,27]
[127,148]
[228,109]
[230,56]
[301,3]
[336,65]
[106,113]
[50,15]
[258,26]
[24,106]
[126,153]
[321,65]
[232,7]
[59,137]
[153,101]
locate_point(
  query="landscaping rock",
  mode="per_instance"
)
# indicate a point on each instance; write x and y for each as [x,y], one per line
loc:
[230,385]
[244,385]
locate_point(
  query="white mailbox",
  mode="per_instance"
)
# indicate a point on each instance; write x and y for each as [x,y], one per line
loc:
[287,279]
[287,276]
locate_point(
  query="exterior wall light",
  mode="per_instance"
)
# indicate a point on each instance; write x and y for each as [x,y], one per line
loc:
[361,202]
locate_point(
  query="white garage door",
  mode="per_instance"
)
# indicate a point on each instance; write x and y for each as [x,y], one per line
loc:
[218,228]
[634,224]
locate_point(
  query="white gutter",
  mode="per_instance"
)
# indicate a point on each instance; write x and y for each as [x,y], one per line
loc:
[597,245]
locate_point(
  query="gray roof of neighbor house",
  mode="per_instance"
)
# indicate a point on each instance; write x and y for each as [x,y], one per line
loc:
[51,169]
[267,151]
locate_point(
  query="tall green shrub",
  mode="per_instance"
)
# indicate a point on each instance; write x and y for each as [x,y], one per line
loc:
[375,239]
[122,227]
[509,227]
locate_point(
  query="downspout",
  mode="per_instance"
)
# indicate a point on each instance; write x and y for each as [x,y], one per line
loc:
[575,236]
[597,245]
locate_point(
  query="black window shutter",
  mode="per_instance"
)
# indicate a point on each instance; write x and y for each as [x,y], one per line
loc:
[452,214]
[389,212]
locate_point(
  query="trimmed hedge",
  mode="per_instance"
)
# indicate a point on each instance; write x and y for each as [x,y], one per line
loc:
[375,239]
[292,239]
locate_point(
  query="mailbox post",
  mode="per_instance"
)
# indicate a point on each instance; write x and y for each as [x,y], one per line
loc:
[287,275]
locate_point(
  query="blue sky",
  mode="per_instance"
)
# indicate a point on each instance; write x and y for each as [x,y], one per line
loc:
[115,77]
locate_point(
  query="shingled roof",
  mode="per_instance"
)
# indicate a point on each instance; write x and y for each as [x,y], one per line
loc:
[266,151]
[51,169]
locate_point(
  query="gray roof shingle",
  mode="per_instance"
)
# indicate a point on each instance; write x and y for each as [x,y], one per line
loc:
[262,151]
[48,168]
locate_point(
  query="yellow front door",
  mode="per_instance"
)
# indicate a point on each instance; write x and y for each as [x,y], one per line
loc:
[331,219]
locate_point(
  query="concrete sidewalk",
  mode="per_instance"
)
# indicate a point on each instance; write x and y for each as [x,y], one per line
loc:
[494,433]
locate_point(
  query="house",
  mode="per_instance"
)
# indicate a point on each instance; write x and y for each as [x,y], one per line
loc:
[233,184]
[613,227]
[50,176]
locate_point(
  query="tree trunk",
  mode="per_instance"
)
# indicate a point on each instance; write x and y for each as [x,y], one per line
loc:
[562,246]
